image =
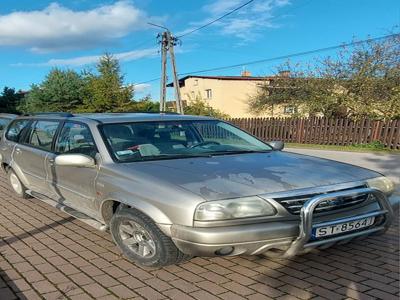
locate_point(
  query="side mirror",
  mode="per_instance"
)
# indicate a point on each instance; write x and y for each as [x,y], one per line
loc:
[277,145]
[75,160]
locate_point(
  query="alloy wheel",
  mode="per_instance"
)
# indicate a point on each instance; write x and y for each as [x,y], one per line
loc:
[137,239]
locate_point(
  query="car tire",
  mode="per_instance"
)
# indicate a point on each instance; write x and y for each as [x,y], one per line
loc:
[16,185]
[141,241]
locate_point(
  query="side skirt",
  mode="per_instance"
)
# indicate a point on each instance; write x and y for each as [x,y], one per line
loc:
[70,211]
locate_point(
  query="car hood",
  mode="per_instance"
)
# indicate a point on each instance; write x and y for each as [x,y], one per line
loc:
[232,176]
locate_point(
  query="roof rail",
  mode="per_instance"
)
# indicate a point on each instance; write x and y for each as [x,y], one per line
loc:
[151,112]
[168,113]
[137,112]
[56,114]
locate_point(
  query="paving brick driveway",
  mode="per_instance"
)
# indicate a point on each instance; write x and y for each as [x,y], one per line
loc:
[44,253]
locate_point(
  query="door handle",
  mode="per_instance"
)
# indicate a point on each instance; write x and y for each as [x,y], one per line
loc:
[17,150]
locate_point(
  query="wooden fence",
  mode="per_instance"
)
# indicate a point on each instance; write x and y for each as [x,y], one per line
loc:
[323,131]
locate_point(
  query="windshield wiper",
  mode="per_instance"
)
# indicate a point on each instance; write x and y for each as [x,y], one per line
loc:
[229,152]
[193,155]
[174,156]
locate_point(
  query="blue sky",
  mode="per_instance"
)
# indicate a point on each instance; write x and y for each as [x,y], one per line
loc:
[38,35]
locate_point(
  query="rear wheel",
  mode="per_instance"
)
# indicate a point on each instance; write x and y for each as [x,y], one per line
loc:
[16,185]
[142,241]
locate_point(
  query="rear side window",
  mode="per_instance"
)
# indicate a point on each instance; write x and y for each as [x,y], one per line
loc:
[76,138]
[16,129]
[3,123]
[42,134]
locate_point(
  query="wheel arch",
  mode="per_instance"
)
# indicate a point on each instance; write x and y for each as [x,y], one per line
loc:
[17,170]
[109,206]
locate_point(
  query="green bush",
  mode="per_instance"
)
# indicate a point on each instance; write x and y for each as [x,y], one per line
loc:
[375,145]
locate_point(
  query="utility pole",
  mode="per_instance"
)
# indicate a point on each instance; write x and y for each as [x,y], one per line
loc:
[178,98]
[163,87]
[168,42]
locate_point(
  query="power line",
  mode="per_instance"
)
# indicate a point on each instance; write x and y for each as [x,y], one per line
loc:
[147,81]
[235,10]
[216,20]
[143,43]
[291,55]
[282,57]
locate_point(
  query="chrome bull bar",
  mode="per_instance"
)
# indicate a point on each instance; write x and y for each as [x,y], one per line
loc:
[306,220]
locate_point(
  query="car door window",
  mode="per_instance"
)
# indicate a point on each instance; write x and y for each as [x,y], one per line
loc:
[3,123]
[16,129]
[76,138]
[42,134]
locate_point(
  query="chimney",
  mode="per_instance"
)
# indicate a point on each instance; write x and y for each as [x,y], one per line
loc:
[284,73]
[245,73]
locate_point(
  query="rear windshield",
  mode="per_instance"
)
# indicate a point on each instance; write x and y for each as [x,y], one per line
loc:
[129,142]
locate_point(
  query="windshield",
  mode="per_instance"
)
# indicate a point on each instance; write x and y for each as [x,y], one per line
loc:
[130,142]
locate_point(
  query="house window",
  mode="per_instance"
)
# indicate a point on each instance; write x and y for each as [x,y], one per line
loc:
[208,94]
[196,82]
[288,109]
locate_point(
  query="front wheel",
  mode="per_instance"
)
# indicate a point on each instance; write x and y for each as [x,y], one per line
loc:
[141,240]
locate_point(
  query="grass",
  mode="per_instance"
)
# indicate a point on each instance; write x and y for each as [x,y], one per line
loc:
[372,147]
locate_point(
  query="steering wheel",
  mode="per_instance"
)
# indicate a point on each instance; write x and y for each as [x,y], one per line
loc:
[204,144]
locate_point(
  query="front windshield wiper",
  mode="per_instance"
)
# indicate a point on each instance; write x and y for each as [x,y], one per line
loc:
[229,152]
[169,156]
[193,155]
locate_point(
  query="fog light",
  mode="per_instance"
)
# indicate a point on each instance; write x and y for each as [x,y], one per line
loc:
[224,251]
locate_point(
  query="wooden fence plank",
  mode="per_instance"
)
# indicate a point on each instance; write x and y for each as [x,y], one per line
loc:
[366,131]
[396,143]
[385,133]
[391,133]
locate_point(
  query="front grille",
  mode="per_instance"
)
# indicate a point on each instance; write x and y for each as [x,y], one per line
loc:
[295,203]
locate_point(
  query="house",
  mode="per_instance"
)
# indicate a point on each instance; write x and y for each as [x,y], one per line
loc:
[229,94]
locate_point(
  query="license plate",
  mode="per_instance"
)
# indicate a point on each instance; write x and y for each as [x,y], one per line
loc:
[343,227]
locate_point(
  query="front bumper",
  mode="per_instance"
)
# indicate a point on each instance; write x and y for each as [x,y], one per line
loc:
[286,238]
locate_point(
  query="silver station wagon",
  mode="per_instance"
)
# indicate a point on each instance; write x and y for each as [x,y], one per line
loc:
[169,187]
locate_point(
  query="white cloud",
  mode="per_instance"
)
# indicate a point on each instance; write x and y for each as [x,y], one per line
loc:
[245,24]
[91,59]
[142,87]
[221,7]
[59,28]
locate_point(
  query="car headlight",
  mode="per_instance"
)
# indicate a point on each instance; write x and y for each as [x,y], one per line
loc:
[233,209]
[382,183]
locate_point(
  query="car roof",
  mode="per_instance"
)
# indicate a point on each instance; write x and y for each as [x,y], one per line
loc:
[109,118]
[8,116]
[139,117]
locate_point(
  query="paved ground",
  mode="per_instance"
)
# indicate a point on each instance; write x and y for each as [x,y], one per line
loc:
[387,164]
[45,254]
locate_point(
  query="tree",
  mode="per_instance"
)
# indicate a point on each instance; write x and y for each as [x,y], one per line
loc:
[200,107]
[362,81]
[62,90]
[9,100]
[146,105]
[105,91]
